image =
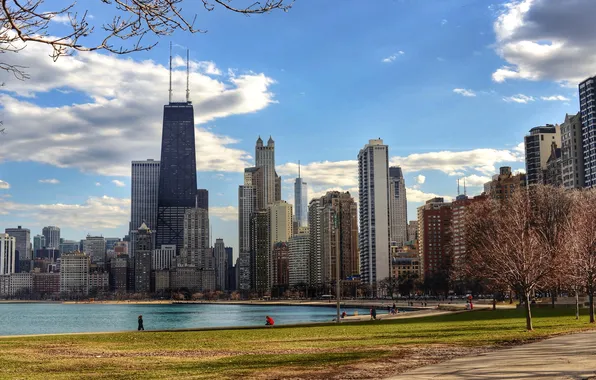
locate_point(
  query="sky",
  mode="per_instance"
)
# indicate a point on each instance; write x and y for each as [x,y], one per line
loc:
[451,86]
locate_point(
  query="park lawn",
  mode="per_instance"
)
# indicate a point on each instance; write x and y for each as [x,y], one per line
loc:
[370,349]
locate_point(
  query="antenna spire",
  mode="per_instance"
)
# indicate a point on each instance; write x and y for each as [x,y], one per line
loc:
[458,186]
[298,168]
[187,77]
[170,72]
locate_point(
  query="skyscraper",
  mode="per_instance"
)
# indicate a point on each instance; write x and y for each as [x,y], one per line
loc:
[260,252]
[301,201]
[23,241]
[434,235]
[373,190]
[587,101]
[315,259]
[196,237]
[7,254]
[221,264]
[177,173]
[95,248]
[143,260]
[52,235]
[398,206]
[265,159]
[144,187]
[39,241]
[538,146]
[572,165]
[299,246]
[202,199]
[247,201]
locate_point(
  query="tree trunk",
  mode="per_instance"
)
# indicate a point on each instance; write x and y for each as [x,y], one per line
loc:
[591,296]
[576,305]
[553,297]
[528,312]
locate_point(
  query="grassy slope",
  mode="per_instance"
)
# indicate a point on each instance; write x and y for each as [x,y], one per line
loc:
[253,353]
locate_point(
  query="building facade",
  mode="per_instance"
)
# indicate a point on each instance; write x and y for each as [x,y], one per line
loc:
[299,249]
[8,258]
[434,236]
[587,106]
[39,241]
[538,148]
[23,241]
[177,174]
[572,157]
[196,238]
[504,184]
[202,199]
[260,251]
[301,201]
[315,259]
[412,230]
[265,159]
[373,191]
[398,206]
[52,236]
[221,264]
[142,259]
[553,175]
[280,267]
[95,248]
[162,258]
[74,274]
[458,231]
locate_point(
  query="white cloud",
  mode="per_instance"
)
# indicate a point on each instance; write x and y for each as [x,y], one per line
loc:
[555,98]
[118,183]
[464,92]
[519,98]
[418,196]
[539,39]
[120,100]
[392,57]
[443,22]
[4,185]
[205,67]
[475,180]
[226,213]
[97,184]
[95,213]
[61,19]
[420,179]
[52,181]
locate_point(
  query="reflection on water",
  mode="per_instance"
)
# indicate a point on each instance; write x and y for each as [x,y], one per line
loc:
[16,319]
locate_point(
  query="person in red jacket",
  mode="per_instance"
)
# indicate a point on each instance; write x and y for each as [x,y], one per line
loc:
[269,321]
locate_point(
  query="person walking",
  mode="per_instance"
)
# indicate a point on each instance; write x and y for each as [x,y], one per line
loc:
[141,327]
[373,313]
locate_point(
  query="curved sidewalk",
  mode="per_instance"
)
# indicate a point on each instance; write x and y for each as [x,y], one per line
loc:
[564,357]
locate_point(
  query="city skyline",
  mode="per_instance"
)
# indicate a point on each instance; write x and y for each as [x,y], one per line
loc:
[89,192]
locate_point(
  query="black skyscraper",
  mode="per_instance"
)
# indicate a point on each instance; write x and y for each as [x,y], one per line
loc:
[178,173]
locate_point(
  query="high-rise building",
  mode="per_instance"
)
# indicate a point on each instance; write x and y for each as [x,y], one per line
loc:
[119,273]
[458,231]
[8,260]
[315,259]
[39,241]
[301,201]
[265,159]
[95,248]
[243,278]
[572,158]
[231,271]
[553,175]
[299,247]
[373,191]
[398,206]
[144,246]
[587,106]
[434,234]
[221,264]
[177,173]
[538,148]
[254,178]
[260,252]
[52,235]
[23,241]
[338,218]
[505,183]
[412,230]
[74,274]
[111,242]
[202,200]
[196,238]
[68,246]
[247,200]
[143,200]
[280,261]
[162,258]
[280,222]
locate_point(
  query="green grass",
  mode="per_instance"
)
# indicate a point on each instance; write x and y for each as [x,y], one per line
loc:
[251,353]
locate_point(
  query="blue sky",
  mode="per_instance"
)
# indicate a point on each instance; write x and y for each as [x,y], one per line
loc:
[451,86]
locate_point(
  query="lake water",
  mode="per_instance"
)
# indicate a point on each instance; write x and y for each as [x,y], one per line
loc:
[49,318]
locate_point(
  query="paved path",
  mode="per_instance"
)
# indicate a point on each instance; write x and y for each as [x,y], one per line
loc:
[564,357]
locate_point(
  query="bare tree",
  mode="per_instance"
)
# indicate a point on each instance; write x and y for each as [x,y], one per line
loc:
[583,244]
[132,24]
[505,244]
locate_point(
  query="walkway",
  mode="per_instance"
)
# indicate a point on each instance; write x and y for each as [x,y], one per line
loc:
[564,357]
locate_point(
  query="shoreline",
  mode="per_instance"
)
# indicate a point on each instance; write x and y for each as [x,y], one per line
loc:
[348,319]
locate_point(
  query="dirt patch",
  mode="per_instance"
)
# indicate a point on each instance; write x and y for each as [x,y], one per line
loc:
[398,361]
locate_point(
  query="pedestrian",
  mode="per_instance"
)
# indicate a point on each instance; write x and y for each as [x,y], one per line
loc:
[141,327]
[269,321]
[373,313]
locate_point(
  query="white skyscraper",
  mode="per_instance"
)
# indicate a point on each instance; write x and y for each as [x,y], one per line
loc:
[299,246]
[265,159]
[301,201]
[144,186]
[7,254]
[398,206]
[373,191]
